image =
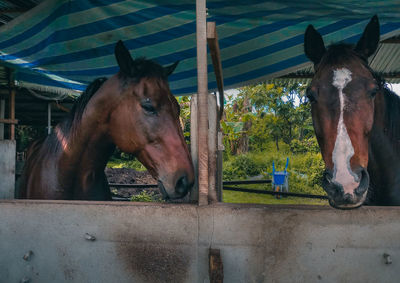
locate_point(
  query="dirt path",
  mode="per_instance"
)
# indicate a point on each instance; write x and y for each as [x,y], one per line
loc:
[130,176]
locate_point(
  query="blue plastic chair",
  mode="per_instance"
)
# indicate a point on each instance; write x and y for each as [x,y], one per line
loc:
[280,182]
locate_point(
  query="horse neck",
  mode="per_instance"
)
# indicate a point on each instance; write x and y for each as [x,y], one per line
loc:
[88,142]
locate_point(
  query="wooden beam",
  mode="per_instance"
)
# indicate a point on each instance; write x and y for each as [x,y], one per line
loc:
[2,115]
[61,107]
[202,93]
[13,10]
[391,40]
[213,126]
[212,40]
[194,148]
[12,102]
[9,121]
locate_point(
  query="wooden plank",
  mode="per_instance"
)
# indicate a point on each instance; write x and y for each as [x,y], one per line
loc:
[216,267]
[11,87]
[212,40]
[49,118]
[9,121]
[61,107]
[212,147]
[395,40]
[2,113]
[202,93]
[13,10]
[194,192]
[215,189]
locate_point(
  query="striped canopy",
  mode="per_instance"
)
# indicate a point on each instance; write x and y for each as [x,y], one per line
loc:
[61,46]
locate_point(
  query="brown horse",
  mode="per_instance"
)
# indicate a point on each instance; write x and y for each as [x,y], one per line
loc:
[133,110]
[356,120]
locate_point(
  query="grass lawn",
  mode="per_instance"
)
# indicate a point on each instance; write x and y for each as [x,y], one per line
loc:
[241,197]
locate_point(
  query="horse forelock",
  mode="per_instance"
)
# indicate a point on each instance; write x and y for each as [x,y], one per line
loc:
[340,54]
[143,68]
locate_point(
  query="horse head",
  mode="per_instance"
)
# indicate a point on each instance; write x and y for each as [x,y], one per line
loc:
[145,122]
[342,94]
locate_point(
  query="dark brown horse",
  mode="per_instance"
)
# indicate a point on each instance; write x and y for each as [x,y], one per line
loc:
[356,120]
[133,110]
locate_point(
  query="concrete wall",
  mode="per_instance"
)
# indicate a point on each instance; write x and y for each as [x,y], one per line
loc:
[7,169]
[169,243]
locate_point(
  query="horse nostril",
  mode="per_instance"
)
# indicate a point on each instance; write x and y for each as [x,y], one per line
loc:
[182,186]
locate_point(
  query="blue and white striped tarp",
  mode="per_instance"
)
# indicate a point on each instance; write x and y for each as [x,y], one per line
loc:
[63,45]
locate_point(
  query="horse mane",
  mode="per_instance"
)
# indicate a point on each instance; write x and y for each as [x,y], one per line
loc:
[82,101]
[69,123]
[392,117]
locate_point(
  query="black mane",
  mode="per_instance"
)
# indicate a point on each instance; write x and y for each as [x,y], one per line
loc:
[83,99]
[77,110]
[67,125]
[392,117]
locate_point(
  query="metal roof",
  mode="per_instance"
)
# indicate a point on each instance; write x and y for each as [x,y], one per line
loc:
[9,10]
[385,62]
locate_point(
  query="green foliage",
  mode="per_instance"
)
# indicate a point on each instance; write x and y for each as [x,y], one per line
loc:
[120,163]
[241,167]
[25,135]
[146,197]
[305,145]
[273,112]
[305,169]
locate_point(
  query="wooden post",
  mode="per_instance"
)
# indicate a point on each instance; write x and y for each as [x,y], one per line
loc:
[215,155]
[212,147]
[202,86]
[220,149]
[194,193]
[2,113]
[11,86]
[49,118]
[212,40]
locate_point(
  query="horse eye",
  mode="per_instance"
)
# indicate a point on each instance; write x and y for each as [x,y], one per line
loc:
[373,92]
[146,105]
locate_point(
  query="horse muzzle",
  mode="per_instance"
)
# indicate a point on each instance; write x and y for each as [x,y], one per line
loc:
[182,187]
[349,200]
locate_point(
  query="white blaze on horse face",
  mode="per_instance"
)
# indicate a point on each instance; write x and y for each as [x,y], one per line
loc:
[343,151]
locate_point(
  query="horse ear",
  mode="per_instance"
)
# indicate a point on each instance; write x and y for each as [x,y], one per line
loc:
[314,47]
[124,59]
[170,69]
[369,40]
